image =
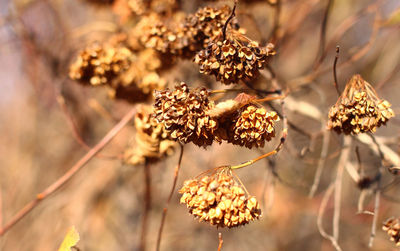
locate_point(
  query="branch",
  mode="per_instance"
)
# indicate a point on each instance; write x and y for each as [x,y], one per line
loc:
[147,205]
[344,156]
[220,241]
[164,215]
[68,175]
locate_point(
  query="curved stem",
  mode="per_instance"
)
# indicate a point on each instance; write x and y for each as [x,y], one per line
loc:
[68,175]
[164,215]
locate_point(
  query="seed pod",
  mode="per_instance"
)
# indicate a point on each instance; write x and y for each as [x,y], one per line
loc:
[183,113]
[359,109]
[392,227]
[233,58]
[253,127]
[219,200]
[99,65]
[151,142]
[184,36]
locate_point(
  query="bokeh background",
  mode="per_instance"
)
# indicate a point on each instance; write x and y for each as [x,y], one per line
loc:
[105,201]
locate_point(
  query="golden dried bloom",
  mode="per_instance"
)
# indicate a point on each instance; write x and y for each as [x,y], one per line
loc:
[233,59]
[151,142]
[185,35]
[143,72]
[253,127]
[219,200]
[141,7]
[183,113]
[99,65]
[359,109]
[392,227]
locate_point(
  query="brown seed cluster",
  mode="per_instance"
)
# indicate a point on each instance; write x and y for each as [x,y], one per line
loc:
[392,227]
[219,200]
[183,114]
[253,127]
[233,58]
[359,109]
[129,75]
[185,36]
[99,65]
[142,7]
[151,142]
[189,116]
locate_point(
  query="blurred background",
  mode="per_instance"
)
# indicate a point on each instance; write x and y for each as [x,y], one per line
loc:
[39,39]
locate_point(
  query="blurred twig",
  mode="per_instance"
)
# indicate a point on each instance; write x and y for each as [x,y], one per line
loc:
[69,174]
[322,38]
[321,212]
[147,205]
[321,161]
[164,215]
[344,157]
[220,241]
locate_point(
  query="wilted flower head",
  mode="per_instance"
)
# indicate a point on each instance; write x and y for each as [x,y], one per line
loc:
[219,200]
[392,227]
[233,58]
[151,141]
[359,109]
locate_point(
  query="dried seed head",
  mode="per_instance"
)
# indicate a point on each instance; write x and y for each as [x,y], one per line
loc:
[219,200]
[99,65]
[253,127]
[233,59]
[183,114]
[151,142]
[392,227]
[359,109]
[183,37]
[142,7]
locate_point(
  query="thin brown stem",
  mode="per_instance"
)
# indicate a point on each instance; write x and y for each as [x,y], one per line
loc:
[335,83]
[322,39]
[75,131]
[165,210]
[220,241]
[147,205]
[228,20]
[69,174]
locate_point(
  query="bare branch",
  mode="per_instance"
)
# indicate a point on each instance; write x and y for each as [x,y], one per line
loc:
[69,174]
[164,215]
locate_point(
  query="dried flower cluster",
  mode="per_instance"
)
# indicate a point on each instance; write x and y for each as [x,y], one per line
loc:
[183,37]
[392,227]
[233,58]
[253,127]
[99,65]
[151,142]
[142,7]
[183,114]
[219,200]
[359,109]
[129,75]
[189,116]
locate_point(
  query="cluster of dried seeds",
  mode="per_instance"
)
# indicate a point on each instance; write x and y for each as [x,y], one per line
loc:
[359,109]
[130,75]
[219,200]
[99,65]
[185,36]
[233,58]
[189,116]
[253,127]
[392,227]
[151,142]
[183,114]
